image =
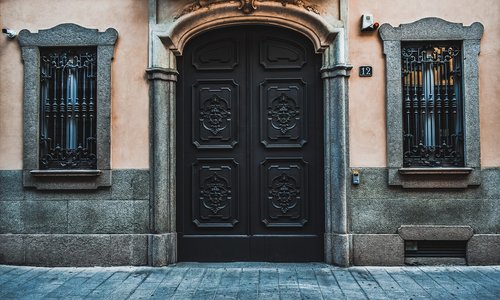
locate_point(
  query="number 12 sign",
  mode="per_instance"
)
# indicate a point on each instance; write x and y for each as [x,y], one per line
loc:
[365,71]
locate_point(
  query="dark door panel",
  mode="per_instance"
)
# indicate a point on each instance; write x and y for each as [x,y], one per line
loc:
[283,113]
[215,113]
[250,147]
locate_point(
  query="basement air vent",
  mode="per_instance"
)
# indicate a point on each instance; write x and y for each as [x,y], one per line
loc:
[455,249]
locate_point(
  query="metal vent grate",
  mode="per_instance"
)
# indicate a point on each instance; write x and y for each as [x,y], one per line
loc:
[435,248]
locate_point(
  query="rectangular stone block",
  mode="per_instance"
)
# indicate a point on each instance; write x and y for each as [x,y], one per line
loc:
[377,250]
[11,249]
[33,217]
[44,216]
[130,185]
[489,182]
[109,216]
[387,215]
[10,217]
[483,249]
[73,249]
[374,186]
[66,250]
[163,249]
[337,249]
[128,248]
[11,185]
[435,232]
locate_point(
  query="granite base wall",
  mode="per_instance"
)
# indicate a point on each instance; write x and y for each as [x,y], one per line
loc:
[388,250]
[376,212]
[104,227]
[74,249]
[376,208]
[122,208]
[110,226]
[484,249]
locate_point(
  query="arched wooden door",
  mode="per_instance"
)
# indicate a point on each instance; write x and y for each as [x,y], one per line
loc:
[250,147]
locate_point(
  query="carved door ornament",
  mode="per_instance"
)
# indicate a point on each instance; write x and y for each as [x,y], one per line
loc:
[215,115]
[284,193]
[215,193]
[283,113]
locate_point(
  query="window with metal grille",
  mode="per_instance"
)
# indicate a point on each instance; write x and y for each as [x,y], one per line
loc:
[68,108]
[432,105]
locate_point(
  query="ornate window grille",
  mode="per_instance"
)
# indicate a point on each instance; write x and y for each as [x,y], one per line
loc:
[68,108]
[432,105]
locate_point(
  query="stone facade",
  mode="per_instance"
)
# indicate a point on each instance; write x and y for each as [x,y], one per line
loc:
[126,215]
[377,211]
[108,226]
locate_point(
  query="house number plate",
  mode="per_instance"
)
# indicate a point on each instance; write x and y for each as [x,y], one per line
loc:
[365,71]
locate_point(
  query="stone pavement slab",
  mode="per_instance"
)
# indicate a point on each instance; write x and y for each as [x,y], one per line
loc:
[250,281]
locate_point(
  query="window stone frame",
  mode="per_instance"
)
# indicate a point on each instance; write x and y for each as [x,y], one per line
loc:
[428,30]
[66,35]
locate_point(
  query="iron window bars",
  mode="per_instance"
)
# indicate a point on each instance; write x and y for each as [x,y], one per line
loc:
[432,105]
[68,108]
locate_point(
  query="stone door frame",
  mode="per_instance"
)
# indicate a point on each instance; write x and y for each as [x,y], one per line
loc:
[167,40]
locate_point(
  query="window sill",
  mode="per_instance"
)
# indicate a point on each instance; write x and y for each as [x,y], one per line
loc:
[71,173]
[66,179]
[435,171]
[432,178]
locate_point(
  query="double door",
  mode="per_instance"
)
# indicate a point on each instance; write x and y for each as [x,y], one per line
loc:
[250,147]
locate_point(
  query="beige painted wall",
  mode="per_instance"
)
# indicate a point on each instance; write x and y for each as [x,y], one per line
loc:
[367,95]
[130,111]
[130,89]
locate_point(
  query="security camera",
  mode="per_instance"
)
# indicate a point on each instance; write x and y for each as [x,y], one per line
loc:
[368,23]
[9,32]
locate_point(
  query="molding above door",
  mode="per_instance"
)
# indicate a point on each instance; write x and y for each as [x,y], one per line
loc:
[245,6]
[204,15]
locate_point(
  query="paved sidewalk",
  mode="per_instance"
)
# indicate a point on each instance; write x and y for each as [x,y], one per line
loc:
[250,281]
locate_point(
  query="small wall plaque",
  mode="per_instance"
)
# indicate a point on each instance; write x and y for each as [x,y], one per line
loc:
[365,71]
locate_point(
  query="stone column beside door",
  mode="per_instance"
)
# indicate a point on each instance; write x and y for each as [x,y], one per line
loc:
[162,244]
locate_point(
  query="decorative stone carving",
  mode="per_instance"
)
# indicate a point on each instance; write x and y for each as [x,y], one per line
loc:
[246,6]
[300,3]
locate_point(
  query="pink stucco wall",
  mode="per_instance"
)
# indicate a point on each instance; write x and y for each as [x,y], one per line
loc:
[130,111]
[367,95]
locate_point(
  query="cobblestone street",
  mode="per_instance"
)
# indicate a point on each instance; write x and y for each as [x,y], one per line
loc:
[250,281]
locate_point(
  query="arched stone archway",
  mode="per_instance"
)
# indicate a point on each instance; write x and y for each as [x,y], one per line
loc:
[310,24]
[167,40]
